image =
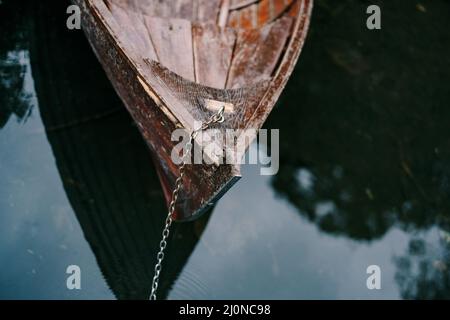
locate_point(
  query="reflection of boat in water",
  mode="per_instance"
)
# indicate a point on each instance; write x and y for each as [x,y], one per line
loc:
[104,164]
[175,63]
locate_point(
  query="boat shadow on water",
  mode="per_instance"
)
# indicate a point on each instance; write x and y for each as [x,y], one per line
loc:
[104,164]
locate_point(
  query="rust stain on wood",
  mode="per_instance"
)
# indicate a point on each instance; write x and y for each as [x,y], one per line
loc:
[257,53]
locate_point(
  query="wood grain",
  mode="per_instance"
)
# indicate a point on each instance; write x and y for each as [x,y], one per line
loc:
[207,10]
[172,39]
[193,10]
[213,50]
[257,53]
[238,4]
[255,14]
[135,30]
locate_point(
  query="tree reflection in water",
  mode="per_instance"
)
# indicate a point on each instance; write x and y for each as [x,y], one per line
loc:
[365,141]
[13,55]
[423,271]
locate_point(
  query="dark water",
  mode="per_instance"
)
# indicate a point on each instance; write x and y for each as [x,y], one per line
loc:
[364,176]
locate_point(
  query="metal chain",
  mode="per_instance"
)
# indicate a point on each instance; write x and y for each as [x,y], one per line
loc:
[216,118]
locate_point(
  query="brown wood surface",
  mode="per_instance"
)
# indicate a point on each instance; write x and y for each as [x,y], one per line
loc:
[134,28]
[193,10]
[257,53]
[238,4]
[213,50]
[247,14]
[208,10]
[172,39]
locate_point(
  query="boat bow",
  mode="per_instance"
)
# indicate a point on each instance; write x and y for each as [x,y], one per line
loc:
[174,63]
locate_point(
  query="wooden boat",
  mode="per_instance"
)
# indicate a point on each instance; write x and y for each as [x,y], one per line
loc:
[174,63]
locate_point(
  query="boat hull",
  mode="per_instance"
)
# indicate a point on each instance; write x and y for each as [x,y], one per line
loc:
[203,184]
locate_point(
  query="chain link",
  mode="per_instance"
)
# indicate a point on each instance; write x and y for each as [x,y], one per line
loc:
[216,118]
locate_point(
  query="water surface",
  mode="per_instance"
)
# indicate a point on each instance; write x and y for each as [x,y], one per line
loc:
[364,177]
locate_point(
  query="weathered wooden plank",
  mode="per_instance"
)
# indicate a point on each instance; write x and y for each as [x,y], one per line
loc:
[124,4]
[233,20]
[208,10]
[135,30]
[238,4]
[194,10]
[183,9]
[257,53]
[141,6]
[224,13]
[172,39]
[138,20]
[250,14]
[213,50]
[115,30]
[248,18]
[122,19]
[278,7]
[264,13]
[296,7]
[287,64]
[154,8]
